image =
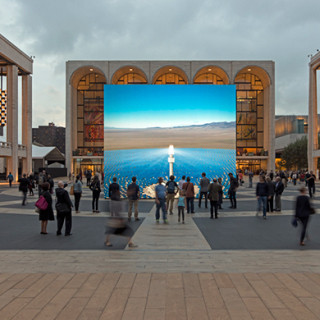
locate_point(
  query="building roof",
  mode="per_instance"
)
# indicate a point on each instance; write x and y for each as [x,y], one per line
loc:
[40,152]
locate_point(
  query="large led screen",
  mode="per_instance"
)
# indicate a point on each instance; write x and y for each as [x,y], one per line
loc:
[142,121]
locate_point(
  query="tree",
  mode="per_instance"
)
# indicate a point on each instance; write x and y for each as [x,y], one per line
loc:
[295,155]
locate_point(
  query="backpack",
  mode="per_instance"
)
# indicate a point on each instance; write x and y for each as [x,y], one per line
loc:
[171,187]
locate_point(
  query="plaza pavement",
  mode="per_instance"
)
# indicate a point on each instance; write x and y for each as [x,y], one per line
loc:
[177,272]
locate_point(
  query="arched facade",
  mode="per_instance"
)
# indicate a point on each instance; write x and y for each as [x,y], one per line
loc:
[255,100]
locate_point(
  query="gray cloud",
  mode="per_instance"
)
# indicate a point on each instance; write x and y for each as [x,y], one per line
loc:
[55,32]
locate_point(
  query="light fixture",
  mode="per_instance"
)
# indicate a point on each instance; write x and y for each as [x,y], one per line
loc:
[130,69]
[170,69]
[91,69]
[249,69]
[209,69]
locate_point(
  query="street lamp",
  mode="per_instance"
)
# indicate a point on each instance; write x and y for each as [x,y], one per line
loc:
[171,159]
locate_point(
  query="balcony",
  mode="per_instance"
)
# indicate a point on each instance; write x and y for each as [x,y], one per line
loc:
[88,152]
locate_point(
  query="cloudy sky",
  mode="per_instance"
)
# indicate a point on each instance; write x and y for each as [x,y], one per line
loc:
[56,31]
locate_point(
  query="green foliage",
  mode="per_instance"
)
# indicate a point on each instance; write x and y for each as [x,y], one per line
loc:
[295,155]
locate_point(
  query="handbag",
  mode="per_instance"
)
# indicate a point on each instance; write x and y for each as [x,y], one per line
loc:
[41,203]
[72,190]
[294,222]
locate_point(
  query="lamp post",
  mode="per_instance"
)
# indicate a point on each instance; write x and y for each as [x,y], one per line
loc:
[171,159]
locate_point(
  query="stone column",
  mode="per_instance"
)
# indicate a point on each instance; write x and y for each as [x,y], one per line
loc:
[27,122]
[69,146]
[272,135]
[12,119]
[312,119]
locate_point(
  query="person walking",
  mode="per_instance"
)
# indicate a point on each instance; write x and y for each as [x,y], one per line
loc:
[10,179]
[250,178]
[133,194]
[204,187]
[47,214]
[262,193]
[303,210]
[311,178]
[30,185]
[189,190]
[271,190]
[160,192]
[96,189]
[23,187]
[64,209]
[114,195]
[232,191]
[278,190]
[77,192]
[172,190]
[181,205]
[214,190]
[88,176]
[51,183]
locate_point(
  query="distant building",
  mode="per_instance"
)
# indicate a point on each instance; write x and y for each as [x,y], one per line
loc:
[50,135]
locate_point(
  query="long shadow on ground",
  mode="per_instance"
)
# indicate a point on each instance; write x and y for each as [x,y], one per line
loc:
[254,233]
[22,232]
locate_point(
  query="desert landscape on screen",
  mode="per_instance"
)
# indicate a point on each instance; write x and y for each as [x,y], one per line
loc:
[215,135]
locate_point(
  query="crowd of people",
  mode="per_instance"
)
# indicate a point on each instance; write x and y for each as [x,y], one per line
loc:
[169,195]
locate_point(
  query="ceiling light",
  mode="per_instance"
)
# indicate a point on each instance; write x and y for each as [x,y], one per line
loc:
[209,69]
[130,69]
[249,69]
[170,69]
[91,69]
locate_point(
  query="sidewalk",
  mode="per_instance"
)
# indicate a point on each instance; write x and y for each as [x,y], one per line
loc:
[173,274]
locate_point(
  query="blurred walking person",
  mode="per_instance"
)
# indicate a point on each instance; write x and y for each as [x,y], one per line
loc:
[77,192]
[23,187]
[232,191]
[47,214]
[311,178]
[303,210]
[96,189]
[279,187]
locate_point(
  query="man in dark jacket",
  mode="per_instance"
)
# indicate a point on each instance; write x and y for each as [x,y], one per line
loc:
[23,187]
[279,187]
[232,191]
[133,193]
[311,178]
[63,206]
[204,188]
[262,194]
[114,195]
[214,190]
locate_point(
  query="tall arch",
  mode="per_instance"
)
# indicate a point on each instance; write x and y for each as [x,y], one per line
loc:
[129,75]
[170,75]
[211,75]
[253,112]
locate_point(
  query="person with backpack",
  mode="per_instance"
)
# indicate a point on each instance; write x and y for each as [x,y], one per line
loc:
[95,188]
[232,191]
[172,190]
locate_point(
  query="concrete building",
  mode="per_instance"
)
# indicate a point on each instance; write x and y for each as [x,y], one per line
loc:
[255,82]
[313,132]
[16,65]
[50,135]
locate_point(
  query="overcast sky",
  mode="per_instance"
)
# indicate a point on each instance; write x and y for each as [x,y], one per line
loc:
[56,31]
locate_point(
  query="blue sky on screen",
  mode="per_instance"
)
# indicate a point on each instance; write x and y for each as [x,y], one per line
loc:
[144,106]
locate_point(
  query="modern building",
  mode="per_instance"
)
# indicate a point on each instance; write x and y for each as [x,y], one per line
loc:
[313,132]
[255,85]
[50,135]
[15,66]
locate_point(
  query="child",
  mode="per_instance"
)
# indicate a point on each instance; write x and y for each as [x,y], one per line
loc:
[181,205]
